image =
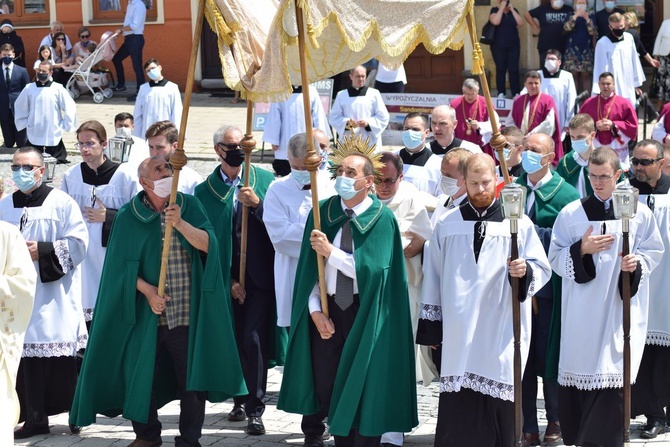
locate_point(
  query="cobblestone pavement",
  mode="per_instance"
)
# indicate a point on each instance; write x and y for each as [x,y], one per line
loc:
[206,115]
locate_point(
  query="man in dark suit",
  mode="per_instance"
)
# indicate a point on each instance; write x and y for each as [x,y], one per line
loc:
[223,196]
[14,79]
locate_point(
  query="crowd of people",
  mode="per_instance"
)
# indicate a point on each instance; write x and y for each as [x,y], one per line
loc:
[407,278]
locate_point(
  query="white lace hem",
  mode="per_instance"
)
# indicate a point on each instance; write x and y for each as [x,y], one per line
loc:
[63,255]
[569,267]
[56,349]
[431,312]
[590,382]
[88,314]
[658,339]
[483,385]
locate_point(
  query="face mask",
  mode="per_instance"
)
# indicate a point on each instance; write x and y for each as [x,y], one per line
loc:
[618,32]
[449,185]
[609,5]
[412,139]
[506,153]
[302,177]
[346,188]
[85,44]
[551,65]
[24,180]
[7,60]
[163,187]
[531,161]
[124,132]
[43,77]
[580,146]
[154,74]
[557,4]
[234,158]
[580,7]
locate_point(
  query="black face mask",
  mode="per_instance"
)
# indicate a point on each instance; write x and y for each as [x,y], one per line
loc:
[234,158]
[43,77]
[617,32]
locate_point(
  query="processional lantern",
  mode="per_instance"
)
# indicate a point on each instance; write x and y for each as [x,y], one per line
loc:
[49,166]
[513,200]
[120,147]
[624,200]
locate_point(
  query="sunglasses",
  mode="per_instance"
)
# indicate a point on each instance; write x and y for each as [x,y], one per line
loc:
[644,161]
[84,36]
[26,168]
[230,147]
[61,39]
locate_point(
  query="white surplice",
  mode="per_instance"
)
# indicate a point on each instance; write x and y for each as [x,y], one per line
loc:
[45,112]
[620,59]
[157,103]
[369,107]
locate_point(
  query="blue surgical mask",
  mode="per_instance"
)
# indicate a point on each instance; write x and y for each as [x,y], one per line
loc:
[302,177]
[531,161]
[24,180]
[609,5]
[580,146]
[154,74]
[346,188]
[412,139]
[506,152]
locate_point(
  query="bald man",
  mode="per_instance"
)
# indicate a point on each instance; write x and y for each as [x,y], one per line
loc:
[359,108]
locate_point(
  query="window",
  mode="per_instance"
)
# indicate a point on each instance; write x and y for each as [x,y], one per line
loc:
[115,10]
[25,12]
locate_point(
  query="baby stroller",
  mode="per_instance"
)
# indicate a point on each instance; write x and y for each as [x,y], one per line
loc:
[85,75]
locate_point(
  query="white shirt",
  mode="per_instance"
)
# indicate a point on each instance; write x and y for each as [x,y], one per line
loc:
[46,112]
[339,260]
[389,76]
[530,200]
[136,15]
[156,103]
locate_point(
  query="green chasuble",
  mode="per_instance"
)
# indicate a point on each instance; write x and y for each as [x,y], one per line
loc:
[550,199]
[217,199]
[117,373]
[570,170]
[375,385]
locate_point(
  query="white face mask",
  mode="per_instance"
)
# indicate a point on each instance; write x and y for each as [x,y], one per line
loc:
[449,185]
[558,4]
[163,187]
[124,132]
[580,7]
[551,65]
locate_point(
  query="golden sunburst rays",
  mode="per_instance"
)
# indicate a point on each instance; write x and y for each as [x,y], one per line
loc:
[355,145]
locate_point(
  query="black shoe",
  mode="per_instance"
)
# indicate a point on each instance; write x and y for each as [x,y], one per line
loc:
[131,98]
[255,426]
[30,431]
[75,429]
[237,415]
[653,430]
[120,88]
[313,441]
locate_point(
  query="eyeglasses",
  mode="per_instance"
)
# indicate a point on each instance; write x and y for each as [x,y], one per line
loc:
[230,147]
[387,181]
[26,168]
[87,145]
[600,178]
[644,161]
[84,36]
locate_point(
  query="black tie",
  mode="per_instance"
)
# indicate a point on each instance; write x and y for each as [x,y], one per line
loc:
[344,288]
[7,78]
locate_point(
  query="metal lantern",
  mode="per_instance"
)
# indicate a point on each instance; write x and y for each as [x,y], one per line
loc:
[49,166]
[119,148]
[624,201]
[513,200]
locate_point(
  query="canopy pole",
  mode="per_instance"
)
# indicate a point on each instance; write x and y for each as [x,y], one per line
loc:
[248,145]
[178,159]
[312,159]
[498,141]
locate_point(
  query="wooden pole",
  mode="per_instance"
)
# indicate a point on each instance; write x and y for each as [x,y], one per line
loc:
[626,337]
[498,141]
[312,159]
[248,145]
[516,328]
[178,159]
